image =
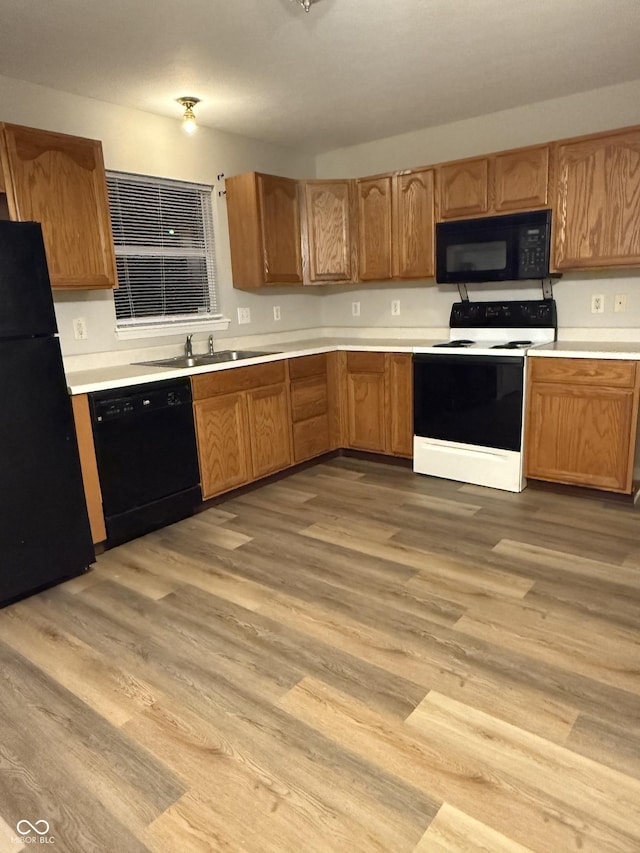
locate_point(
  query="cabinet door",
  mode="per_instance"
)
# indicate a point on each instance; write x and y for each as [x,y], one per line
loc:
[521,179]
[413,230]
[59,181]
[463,188]
[598,203]
[330,243]
[374,228]
[399,376]
[269,426]
[366,411]
[365,401]
[223,443]
[581,435]
[280,229]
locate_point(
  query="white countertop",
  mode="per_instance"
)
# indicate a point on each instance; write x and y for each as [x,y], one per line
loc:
[124,375]
[629,350]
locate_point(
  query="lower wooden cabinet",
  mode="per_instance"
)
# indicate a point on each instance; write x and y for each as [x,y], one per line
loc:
[59,181]
[242,425]
[399,402]
[223,443]
[309,406]
[252,422]
[379,402]
[268,413]
[581,422]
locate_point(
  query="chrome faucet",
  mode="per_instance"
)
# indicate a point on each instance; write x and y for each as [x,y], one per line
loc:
[188,346]
[210,344]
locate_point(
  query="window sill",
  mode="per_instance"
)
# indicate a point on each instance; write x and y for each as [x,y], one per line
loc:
[163,330]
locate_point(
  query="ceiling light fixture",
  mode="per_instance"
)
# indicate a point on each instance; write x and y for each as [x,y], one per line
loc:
[306,4]
[189,118]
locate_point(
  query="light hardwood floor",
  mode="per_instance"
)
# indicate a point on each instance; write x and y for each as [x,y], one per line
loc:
[352,659]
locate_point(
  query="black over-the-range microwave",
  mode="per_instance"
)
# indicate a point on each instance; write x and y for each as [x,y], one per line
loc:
[513,247]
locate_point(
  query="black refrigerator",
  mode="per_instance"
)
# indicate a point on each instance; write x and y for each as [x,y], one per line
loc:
[44,527]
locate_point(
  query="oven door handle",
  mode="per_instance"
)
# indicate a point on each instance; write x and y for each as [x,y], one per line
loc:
[448,358]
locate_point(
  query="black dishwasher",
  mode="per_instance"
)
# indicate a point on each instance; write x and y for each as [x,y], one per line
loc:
[147,458]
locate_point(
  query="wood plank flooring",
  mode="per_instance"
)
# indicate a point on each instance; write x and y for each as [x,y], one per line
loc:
[354,658]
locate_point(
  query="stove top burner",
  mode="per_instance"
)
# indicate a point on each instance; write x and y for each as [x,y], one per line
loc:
[512,345]
[461,343]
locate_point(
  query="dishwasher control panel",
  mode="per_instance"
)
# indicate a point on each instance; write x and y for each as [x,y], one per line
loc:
[139,399]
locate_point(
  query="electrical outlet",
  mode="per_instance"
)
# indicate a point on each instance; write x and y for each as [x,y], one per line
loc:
[395,307]
[244,315]
[355,309]
[620,302]
[80,329]
[597,303]
[276,312]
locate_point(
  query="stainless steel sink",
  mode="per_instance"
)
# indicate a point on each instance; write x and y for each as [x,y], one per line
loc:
[203,359]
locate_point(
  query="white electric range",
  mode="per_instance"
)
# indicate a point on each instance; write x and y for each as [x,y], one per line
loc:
[469,392]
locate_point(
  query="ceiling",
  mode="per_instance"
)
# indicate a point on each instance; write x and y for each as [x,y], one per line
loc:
[349,71]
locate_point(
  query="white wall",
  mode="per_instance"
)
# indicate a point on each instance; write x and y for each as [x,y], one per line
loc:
[137,141]
[424,304]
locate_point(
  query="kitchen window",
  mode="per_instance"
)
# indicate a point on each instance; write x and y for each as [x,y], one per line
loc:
[165,255]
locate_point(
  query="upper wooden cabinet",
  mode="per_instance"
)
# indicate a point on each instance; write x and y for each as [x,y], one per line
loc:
[413,231]
[395,226]
[498,183]
[381,228]
[59,181]
[521,179]
[598,201]
[374,228]
[463,188]
[264,230]
[329,224]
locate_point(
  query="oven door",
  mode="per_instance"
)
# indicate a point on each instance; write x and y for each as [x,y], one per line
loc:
[471,400]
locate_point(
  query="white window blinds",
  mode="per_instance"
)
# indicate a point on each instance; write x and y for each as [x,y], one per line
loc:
[165,252]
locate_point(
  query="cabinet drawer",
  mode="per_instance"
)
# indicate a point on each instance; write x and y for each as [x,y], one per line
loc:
[584,371]
[308,398]
[308,365]
[237,379]
[365,362]
[311,438]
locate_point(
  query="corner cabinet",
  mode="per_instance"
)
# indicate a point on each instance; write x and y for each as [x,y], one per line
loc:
[264,230]
[581,421]
[328,231]
[378,402]
[59,181]
[597,219]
